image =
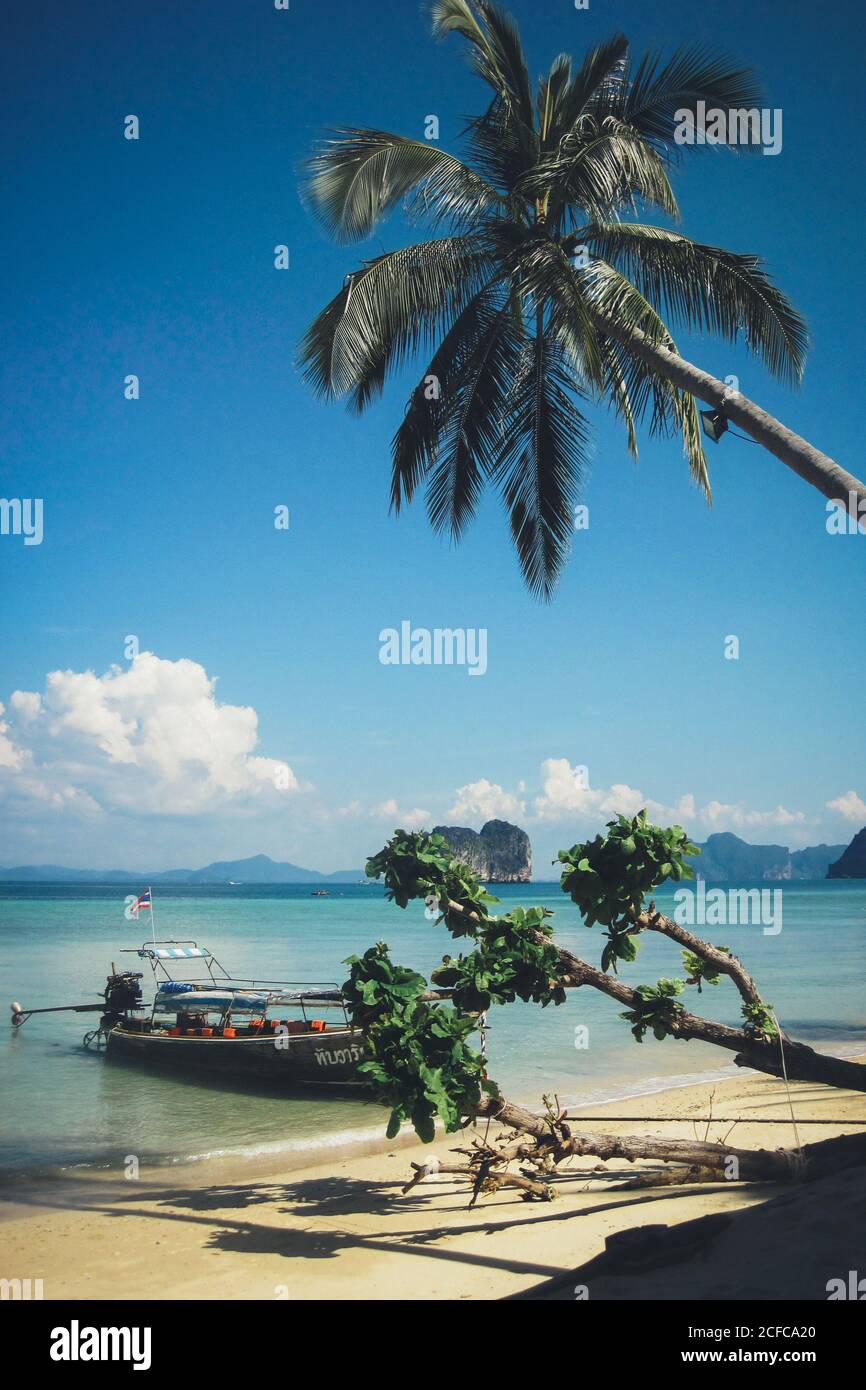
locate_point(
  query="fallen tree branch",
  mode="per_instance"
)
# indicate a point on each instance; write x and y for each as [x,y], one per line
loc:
[803,1063]
[548,1143]
[489,1182]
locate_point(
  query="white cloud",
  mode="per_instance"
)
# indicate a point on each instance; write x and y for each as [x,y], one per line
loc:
[416,819]
[389,810]
[850,806]
[412,819]
[26,703]
[483,800]
[719,816]
[566,795]
[150,738]
[10,756]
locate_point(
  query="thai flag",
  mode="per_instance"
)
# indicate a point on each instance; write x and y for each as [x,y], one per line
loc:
[143,902]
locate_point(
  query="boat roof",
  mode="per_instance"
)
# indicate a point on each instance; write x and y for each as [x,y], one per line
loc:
[174,952]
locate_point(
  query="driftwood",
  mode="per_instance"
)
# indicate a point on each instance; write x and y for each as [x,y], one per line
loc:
[544,1141]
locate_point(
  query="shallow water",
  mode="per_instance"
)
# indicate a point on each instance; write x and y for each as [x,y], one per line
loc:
[63,1105]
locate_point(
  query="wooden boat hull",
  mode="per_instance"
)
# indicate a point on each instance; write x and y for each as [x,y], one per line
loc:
[301,1059]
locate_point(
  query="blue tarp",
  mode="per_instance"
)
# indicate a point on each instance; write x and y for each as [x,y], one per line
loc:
[202,999]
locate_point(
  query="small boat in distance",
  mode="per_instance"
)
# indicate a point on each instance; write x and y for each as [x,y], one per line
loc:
[320,893]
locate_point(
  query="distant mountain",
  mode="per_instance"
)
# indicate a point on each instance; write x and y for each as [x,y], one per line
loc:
[498,853]
[261,869]
[852,863]
[55,873]
[725,858]
[258,869]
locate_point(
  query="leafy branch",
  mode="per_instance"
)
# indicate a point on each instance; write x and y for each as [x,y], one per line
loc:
[419,1060]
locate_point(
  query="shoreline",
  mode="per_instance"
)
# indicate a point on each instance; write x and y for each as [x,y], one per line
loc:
[339,1227]
[356,1141]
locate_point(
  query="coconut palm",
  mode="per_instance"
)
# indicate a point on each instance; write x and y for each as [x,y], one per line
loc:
[541,293]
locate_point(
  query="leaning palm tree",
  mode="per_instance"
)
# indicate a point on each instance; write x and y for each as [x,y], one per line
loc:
[542,294]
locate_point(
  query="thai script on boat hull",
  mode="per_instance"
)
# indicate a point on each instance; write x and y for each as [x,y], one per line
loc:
[336,1057]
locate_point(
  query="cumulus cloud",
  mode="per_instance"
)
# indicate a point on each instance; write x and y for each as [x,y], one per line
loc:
[10,755]
[414,819]
[26,703]
[850,806]
[483,800]
[150,738]
[566,794]
[719,816]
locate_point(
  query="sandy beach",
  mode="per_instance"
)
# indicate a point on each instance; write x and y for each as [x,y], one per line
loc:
[343,1229]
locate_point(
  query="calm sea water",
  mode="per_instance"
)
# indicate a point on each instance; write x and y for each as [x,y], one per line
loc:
[64,1105]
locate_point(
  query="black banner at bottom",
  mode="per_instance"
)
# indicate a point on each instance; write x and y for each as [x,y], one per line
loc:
[59,1339]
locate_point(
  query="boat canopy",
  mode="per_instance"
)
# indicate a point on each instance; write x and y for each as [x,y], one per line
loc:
[172,1002]
[175,952]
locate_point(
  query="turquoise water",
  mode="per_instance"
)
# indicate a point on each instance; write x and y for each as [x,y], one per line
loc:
[63,1105]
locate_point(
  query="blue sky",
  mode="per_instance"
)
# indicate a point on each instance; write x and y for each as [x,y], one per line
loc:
[155,257]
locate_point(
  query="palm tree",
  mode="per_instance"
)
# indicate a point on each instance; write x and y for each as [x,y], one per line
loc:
[538,297]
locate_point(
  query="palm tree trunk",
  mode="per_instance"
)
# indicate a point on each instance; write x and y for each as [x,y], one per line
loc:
[816,468]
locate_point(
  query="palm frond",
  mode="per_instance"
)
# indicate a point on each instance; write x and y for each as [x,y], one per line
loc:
[551,100]
[502,150]
[543,463]
[635,389]
[418,443]
[601,166]
[387,310]
[600,72]
[656,90]
[474,425]
[707,287]
[547,277]
[503,140]
[354,178]
[497,53]
[616,389]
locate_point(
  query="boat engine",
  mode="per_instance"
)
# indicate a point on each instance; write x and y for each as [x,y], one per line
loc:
[122,992]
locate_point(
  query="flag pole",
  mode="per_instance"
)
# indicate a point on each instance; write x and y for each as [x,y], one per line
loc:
[152,927]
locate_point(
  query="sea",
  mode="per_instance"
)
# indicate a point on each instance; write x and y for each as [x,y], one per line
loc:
[66,1107]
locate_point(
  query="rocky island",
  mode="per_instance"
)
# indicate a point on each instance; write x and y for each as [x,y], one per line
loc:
[725,858]
[852,863]
[498,853]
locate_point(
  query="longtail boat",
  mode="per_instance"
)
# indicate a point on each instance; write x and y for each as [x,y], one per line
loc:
[211,1021]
